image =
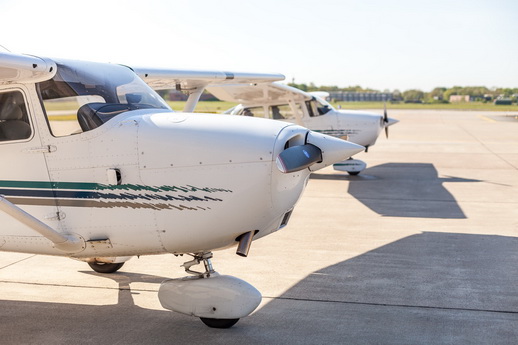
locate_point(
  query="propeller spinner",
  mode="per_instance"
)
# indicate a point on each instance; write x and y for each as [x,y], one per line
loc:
[319,150]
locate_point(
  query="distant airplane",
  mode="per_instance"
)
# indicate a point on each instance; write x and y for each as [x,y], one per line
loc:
[282,102]
[126,176]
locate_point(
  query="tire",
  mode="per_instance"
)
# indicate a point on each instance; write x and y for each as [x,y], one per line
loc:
[219,323]
[101,267]
[353,173]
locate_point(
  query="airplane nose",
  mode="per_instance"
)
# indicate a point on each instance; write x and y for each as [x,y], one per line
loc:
[318,151]
[390,121]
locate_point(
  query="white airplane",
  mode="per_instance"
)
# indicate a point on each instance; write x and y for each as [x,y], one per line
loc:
[282,102]
[126,176]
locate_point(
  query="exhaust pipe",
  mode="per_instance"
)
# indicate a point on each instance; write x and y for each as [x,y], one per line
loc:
[245,241]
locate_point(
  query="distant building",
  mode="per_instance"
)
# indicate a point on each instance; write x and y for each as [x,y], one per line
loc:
[459,98]
[347,96]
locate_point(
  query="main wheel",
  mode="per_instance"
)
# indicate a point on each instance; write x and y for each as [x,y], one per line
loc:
[102,267]
[353,173]
[219,323]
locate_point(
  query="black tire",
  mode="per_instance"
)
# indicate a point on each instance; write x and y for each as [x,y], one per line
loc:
[354,173]
[219,323]
[102,267]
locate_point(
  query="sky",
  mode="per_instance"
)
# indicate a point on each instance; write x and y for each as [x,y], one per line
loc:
[384,45]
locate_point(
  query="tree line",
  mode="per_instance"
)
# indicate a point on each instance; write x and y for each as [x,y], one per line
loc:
[437,95]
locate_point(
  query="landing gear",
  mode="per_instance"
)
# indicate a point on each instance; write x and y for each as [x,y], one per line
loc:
[218,300]
[219,323]
[351,166]
[101,267]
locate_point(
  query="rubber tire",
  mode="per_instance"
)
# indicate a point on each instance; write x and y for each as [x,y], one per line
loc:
[101,267]
[353,173]
[219,323]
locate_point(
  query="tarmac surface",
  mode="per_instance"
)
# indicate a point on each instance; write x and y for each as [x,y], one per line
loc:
[421,248]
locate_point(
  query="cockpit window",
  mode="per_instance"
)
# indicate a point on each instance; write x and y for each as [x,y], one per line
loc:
[252,111]
[14,121]
[85,95]
[317,107]
[281,112]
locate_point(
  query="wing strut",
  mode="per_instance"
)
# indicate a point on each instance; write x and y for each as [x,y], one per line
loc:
[192,101]
[69,243]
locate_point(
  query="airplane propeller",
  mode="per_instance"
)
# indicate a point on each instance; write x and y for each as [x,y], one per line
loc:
[299,157]
[385,119]
[318,151]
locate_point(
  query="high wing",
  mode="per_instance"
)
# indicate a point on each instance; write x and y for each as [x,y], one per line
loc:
[194,82]
[163,79]
[24,68]
[259,93]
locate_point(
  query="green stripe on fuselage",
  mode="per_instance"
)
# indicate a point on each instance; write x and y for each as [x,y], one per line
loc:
[51,185]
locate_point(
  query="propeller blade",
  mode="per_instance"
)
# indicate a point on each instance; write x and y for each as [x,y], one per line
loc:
[385,118]
[298,157]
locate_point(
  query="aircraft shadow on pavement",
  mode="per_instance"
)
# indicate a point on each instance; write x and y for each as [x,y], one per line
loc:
[403,190]
[29,322]
[429,288]
[426,288]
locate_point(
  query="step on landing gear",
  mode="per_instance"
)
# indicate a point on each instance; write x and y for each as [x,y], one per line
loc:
[218,300]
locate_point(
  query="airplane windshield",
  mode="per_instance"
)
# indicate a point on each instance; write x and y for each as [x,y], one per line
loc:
[85,95]
[317,106]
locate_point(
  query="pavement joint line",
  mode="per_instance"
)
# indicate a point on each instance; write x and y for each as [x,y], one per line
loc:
[78,286]
[394,305]
[488,149]
[14,263]
[421,200]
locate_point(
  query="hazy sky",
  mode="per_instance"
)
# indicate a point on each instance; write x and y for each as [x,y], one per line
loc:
[395,44]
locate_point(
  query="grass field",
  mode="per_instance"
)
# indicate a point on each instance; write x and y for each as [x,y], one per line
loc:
[219,107]
[450,106]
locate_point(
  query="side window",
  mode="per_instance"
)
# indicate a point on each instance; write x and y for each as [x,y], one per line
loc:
[313,108]
[254,111]
[316,108]
[281,112]
[14,120]
[62,113]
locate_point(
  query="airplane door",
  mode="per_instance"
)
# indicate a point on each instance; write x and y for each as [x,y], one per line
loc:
[24,178]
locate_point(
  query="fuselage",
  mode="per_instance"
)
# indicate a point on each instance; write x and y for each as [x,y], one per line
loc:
[99,155]
[360,127]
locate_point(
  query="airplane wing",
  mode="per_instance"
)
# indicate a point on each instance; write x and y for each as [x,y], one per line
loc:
[259,93]
[163,79]
[24,68]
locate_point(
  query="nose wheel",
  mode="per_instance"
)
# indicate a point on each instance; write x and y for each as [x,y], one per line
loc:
[205,258]
[101,267]
[351,166]
[218,300]
[219,323]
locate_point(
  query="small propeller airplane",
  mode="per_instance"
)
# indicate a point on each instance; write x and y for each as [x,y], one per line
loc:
[282,102]
[98,168]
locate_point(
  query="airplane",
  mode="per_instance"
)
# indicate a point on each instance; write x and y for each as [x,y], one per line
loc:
[98,168]
[286,103]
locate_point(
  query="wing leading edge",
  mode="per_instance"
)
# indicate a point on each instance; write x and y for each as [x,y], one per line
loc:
[16,68]
[162,79]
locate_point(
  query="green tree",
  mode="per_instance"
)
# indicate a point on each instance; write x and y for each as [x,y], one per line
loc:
[413,95]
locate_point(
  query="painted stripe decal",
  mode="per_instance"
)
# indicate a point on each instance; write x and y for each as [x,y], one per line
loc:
[73,194]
